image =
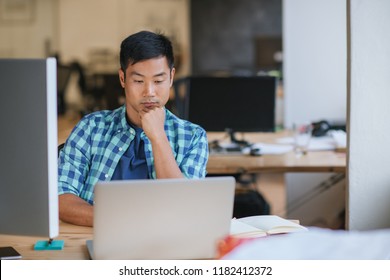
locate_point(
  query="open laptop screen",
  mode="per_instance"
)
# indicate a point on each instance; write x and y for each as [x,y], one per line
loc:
[162,219]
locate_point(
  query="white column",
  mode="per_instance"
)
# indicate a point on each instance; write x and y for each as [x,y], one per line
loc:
[315,67]
[369,114]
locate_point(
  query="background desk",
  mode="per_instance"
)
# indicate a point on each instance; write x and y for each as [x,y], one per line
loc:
[267,171]
[316,161]
[74,249]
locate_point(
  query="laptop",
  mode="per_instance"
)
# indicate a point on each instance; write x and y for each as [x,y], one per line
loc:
[161,219]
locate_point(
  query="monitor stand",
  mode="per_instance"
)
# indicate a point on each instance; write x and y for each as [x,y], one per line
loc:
[234,147]
[234,140]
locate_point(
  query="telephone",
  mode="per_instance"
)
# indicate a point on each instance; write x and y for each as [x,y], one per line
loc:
[320,128]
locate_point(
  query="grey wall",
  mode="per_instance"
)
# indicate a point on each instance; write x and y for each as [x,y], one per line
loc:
[223,32]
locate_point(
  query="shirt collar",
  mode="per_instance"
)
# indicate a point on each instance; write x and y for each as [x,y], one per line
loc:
[121,123]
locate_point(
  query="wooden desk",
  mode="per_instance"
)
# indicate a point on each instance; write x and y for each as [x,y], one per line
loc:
[316,161]
[74,248]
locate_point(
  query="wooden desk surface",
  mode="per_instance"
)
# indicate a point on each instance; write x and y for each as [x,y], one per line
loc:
[313,161]
[74,248]
[325,161]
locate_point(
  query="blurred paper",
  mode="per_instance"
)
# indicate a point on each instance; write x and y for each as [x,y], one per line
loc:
[340,138]
[272,149]
[324,143]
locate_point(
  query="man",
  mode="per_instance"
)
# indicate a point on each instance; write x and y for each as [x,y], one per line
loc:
[139,140]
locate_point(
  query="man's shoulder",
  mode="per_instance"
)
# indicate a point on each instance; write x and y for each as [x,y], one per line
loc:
[103,117]
[181,125]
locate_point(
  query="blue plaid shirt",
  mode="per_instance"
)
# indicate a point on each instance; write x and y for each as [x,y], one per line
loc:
[98,141]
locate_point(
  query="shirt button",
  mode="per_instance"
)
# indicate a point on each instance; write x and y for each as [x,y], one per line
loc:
[120,148]
[106,175]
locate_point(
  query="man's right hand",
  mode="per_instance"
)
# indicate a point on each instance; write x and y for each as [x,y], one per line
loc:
[152,122]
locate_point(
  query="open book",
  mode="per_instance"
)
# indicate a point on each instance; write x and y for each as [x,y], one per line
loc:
[263,225]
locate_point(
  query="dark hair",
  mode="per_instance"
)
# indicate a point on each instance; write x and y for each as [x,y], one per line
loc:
[145,45]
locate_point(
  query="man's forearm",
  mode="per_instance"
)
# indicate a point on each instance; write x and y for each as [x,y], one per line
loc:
[164,161]
[74,210]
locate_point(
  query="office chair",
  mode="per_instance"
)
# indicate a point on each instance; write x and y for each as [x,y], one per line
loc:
[91,93]
[63,77]
[181,89]
[60,147]
[112,91]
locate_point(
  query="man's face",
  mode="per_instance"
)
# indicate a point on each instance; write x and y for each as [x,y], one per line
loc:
[147,85]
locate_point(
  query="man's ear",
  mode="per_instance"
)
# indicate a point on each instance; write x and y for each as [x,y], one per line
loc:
[172,75]
[122,77]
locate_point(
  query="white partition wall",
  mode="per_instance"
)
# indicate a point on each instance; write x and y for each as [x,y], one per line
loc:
[314,64]
[314,60]
[369,114]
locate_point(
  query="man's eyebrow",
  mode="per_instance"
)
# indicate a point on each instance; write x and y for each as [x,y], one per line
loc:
[160,74]
[135,73]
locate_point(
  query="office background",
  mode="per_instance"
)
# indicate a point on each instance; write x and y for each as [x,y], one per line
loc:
[314,49]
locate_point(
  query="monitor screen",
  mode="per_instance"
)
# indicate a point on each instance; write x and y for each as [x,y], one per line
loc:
[28,143]
[241,104]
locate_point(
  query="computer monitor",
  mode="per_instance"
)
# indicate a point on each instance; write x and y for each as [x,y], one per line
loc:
[28,143]
[238,104]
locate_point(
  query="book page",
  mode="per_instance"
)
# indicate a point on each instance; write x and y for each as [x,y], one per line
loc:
[241,229]
[272,224]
